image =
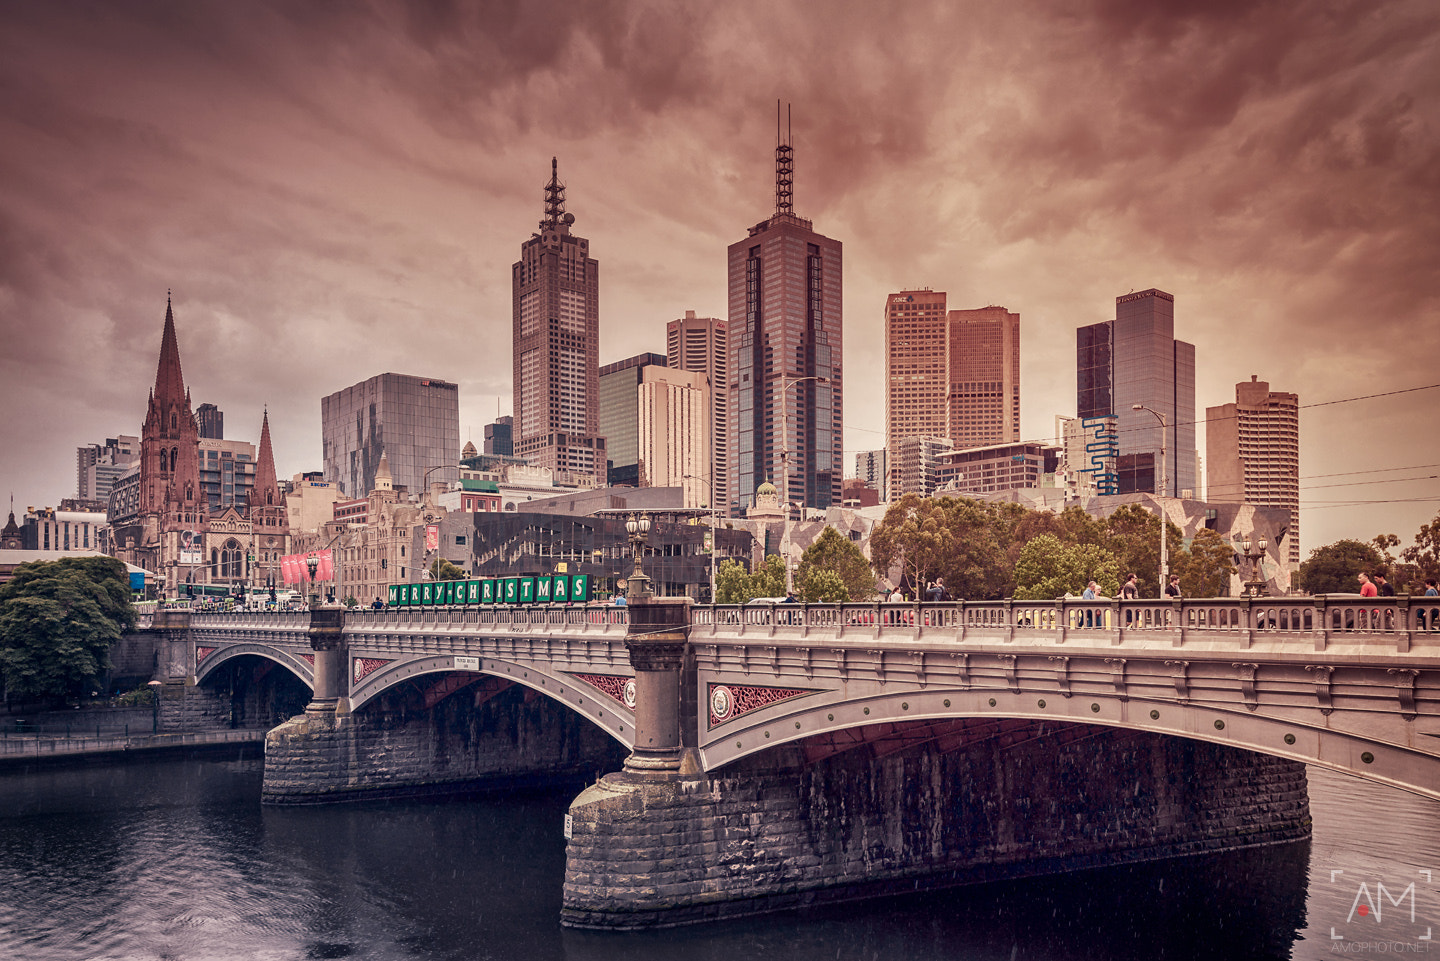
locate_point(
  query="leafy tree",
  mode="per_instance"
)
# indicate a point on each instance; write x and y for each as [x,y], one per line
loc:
[1425,552]
[443,570]
[735,585]
[1206,568]
[822,585]
[1048,568]
[837,554]
[1133,536]
[945,537]
[58,621]
[1332,569]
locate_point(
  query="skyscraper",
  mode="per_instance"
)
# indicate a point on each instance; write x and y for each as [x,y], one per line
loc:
[97,466]
[556,301]
[785,353]
[699,344]
[499,438]
[413,421]
[1253,451]
[1135,359]
[952,376]
[983,406]
[211,420]
[673,431]
[619,416]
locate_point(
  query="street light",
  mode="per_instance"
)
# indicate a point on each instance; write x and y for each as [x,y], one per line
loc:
[785,385]
[1255,587]
[1163,490]
[312,563]
[638,586]
[154,706]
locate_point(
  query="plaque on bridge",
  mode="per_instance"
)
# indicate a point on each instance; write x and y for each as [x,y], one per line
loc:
[543,585]
[487,591]
[560,588]
[580,587]
[527,589]
[510,590]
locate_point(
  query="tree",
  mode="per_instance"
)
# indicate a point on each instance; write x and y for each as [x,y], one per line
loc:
[821,585]
[1048,568]
[1332,569]
[735,585]
[1425,552]
[1133,536]
[443,570]
[948,537]
[1206,568]
[58,621]
[837,554]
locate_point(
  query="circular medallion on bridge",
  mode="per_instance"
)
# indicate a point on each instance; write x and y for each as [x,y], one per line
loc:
[630,694]
[721,701]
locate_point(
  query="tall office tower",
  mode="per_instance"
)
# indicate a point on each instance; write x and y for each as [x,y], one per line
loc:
[413,421]
[785,351]
[1135,359]
[211,421]
[983,406]
[619,417]
[674,431]
[498,436]
[97,466]
[917,378]
[915,462]
[556,291]
[1253,447]
[698,344]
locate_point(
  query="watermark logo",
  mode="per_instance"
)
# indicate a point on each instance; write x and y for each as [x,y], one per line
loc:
[1387,915]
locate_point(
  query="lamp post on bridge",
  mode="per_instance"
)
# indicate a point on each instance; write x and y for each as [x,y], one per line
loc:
[1162,490]
[785,385]
[637,586]
[1255,587]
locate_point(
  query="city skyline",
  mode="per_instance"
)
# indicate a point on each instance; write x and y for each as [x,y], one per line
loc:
[339,194]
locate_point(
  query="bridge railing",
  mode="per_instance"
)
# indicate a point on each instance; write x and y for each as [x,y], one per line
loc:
[1279,615]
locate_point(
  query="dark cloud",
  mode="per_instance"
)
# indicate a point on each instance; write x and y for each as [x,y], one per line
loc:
[336,189]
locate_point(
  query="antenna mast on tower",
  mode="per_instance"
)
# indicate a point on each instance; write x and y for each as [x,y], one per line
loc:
[784,162]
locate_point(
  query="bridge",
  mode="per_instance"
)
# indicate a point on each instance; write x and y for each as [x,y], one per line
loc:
[724,695]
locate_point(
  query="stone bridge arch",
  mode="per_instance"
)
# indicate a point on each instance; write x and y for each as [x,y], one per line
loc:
[612,716]
[214,658]
[900,719]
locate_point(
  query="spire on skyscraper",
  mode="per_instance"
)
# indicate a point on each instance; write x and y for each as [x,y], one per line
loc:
[555,214]
[784,163]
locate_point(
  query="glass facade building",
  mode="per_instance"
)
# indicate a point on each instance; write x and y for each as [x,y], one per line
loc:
[414,421]
[620,416]
[1135,359]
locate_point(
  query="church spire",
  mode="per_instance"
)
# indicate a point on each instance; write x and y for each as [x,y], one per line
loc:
[169,381]
[266,490]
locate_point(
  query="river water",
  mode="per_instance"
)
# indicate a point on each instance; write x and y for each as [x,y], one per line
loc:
[178,860]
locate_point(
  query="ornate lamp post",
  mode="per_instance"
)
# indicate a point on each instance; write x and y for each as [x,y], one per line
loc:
[1255,587]
[785,385]
[312,563]
[638,585]
[1162,490]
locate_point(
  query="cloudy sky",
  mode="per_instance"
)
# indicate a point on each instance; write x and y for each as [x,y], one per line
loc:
[333,190]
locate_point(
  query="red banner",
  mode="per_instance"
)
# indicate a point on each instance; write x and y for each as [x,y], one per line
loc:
[295,569]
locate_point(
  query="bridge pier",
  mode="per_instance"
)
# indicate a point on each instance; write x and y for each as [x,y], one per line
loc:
[656,639]
[775,830]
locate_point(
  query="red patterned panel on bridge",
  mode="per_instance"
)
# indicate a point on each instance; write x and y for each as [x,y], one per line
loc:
[203,652]
[308,658]
[618,686]
[365,666]
[729,701]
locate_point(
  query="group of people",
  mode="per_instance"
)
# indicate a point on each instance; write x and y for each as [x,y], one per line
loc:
[1379,586]
[1130,590]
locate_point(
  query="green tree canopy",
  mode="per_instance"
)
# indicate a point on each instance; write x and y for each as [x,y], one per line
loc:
[1206,567]
[1332,569]
[443,570]
[837,554]
[735,585]
[954,538]
[58,621]
[822,585]
[1132,535]
[1425,552]
[1048,568]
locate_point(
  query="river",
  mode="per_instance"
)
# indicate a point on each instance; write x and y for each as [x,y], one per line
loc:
[178,860]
